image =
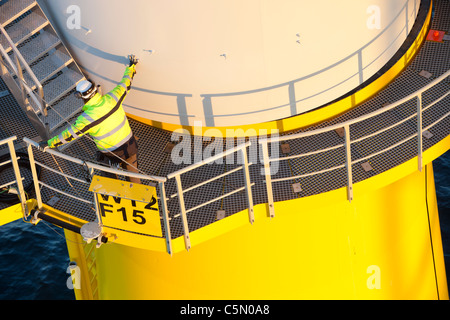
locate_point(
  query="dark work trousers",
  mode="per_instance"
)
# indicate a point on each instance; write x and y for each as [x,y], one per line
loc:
[125,156]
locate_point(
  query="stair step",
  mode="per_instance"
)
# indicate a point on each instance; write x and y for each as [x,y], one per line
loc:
[38,45]
[50,61]
[13,9]
[24,28]
[49,65]
[63,110]
[61,85]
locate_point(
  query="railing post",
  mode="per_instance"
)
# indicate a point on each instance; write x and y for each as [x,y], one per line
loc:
[187,241]
[35,177]
[248,185]
[20,191]
[97,211]
[419,131]
[348,162]
[165,215]
[266,162]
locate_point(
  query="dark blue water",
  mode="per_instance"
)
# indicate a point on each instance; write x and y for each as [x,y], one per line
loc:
[442,180]
[33,262]
[34,259]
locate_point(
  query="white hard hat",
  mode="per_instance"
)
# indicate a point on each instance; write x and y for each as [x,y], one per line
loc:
[86,89]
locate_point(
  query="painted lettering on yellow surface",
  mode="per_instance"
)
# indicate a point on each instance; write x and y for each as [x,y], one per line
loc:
[130,215]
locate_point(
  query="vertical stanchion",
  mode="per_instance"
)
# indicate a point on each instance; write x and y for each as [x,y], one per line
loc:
[266,162]
[248,185]
[419,132]
[97,212]
[17,175]
[187,241]
[348,163]
[165,217]
[35,177]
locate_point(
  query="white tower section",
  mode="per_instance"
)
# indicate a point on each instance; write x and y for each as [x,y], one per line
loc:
[233,62]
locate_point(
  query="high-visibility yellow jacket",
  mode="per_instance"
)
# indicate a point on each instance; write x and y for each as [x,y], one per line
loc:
[103,118]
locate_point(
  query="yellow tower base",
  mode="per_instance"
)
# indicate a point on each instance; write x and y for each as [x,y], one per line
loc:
[386,244]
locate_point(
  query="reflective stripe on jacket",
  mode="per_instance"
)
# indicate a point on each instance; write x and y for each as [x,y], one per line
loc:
[103,118]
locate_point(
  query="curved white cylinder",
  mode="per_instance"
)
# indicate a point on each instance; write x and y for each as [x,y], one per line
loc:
[228,63]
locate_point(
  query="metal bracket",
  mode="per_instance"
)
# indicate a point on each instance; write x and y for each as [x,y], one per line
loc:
[425,74]
[296,187]
[366,166]
[220,214]
[285,148]
[340,132]
[35,218]
[427,134]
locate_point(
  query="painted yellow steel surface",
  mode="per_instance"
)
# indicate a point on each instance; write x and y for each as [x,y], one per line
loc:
[83,275]
[386,244]
[14,212]
[11,214]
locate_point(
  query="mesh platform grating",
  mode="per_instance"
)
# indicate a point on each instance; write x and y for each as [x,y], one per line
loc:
[432,57]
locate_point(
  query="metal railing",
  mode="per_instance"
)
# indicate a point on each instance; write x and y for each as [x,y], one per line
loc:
[91,167]
[242,149]
[414,119]
[15,165]
[348,142]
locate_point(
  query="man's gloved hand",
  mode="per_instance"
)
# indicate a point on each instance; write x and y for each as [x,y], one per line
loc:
[133,60]
[43,146]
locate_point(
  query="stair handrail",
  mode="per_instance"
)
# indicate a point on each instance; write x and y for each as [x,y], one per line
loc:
[23,87]
[8,59]
[21,61]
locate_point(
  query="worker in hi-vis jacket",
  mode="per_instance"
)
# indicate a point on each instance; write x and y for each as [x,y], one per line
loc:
[105,121]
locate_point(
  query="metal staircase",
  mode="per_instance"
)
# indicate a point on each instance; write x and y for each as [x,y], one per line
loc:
[37,67]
